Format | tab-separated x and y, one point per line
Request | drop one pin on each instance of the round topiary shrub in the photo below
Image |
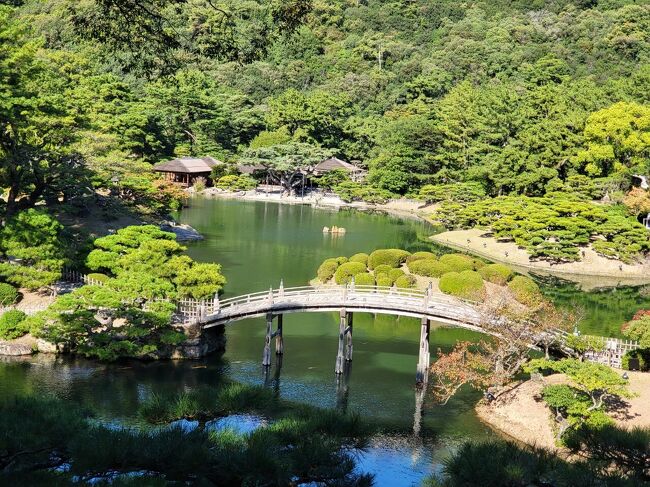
341	260
461	262
382	269
98	277
429	268
8	294
525	290
496	273
405	281
344	273
327	269
391	257
466	284
384	281
419	256
394	274
364	279
11	324
360	257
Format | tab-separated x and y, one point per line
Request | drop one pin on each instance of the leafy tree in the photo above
286	164
638	328
618	140
597	381
34	239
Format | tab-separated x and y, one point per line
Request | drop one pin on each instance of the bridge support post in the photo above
348	337
266	357
422	374
340	359
279	341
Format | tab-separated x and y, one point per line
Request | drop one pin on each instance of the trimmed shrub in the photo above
405	281
364	279
419	256
382	269
384	281
327	269
525	290
11	324
640	359
344	273
461	262
360	257
496	273
8	294
99	277
394	274
429	268
341	260
466	284
391	257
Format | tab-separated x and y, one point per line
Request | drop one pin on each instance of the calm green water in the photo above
258	244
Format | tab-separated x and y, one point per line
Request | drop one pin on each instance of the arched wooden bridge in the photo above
426	305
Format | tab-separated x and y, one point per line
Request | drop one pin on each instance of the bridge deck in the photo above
372	299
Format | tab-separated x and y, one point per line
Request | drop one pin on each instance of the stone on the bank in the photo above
15	349
184	233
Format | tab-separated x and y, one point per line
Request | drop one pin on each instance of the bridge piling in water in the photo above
348	337
424	359
279	340
340	358
266	357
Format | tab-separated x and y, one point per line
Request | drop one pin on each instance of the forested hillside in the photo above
519	96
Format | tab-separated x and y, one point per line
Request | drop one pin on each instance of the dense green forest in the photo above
518	96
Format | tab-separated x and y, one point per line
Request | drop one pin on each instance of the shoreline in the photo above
593	271
402	208
521	415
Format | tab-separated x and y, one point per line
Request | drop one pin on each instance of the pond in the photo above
260	243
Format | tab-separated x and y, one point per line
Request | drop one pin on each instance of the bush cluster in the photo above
405	281
364	279
346	271
525	290
360	257
496	273
461	262
327	269
12	324
8	294
419	256
466	284
429	268
390	257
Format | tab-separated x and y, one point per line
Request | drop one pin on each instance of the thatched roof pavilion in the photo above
185	170
334	164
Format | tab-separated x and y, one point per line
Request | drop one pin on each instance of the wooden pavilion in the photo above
334	163
186	170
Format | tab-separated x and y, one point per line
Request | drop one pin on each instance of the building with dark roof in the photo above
186	170
335	164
